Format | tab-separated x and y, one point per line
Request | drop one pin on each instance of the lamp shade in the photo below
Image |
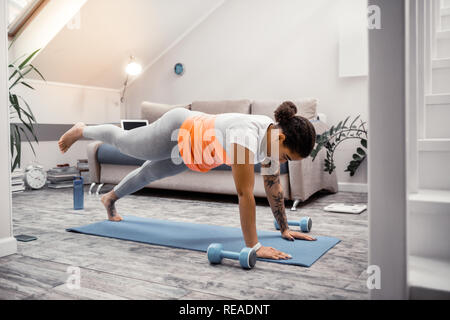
133	69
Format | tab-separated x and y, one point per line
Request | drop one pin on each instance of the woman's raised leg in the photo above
154	142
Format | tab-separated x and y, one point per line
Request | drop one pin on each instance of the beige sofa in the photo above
302	180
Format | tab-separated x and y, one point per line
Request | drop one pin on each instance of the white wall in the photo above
59	103
261	49
54	103
95	50
8	244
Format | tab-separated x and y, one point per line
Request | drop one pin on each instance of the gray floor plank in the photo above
195	295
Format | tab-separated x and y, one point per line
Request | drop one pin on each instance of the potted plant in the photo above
331	139
19	109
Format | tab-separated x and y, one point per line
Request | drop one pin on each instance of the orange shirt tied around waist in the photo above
198	145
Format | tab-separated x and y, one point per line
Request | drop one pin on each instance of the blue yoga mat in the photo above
199	236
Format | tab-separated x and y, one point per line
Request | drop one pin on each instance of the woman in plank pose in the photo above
182	139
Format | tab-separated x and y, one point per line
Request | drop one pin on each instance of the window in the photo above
20	11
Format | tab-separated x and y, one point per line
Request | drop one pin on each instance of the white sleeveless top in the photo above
247	130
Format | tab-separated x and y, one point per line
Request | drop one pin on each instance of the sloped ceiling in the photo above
96	52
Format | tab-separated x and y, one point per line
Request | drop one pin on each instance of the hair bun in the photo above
285	112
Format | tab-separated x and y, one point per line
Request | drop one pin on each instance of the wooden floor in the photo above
115	269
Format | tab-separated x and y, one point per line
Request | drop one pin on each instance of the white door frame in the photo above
387	150
8	244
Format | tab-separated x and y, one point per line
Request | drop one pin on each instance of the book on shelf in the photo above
60	185
62	177
17	181
18	174
16	189
83	165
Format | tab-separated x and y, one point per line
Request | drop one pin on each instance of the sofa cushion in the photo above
219	107
107	154
153	111
306	108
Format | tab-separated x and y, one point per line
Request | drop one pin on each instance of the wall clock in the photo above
179	69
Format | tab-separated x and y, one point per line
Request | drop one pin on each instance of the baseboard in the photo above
8	246
353	187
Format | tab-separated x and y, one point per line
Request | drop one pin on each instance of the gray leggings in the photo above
156	143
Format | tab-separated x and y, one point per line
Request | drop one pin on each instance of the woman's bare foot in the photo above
109	201
71	136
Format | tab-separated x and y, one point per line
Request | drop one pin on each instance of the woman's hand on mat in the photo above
273	254
293	235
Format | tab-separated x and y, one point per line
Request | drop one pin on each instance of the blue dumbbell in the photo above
305	224
247	256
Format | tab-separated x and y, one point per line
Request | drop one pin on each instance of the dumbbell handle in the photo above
304	228
230	255
290	223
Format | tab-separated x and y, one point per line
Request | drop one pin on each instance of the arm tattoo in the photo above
275	196
279	211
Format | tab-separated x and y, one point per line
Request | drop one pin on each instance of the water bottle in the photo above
78	193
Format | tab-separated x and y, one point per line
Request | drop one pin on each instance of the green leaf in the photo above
345	123
314	154
27	85
28	107
331	131
361	151
21	67
14	84
11	137
364	143
28	139
354	121
15	104
30	68
31	56
37	71
15	61
16	71
30	128
18	149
